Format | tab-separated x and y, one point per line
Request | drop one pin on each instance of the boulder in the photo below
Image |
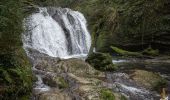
150	80
101	61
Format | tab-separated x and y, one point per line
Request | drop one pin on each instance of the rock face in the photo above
75	76
70	79
131	25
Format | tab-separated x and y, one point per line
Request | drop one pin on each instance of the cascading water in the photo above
58	32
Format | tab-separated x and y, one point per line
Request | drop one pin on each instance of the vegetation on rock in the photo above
56	81
125	53
101	61
146	52
151	52
107	94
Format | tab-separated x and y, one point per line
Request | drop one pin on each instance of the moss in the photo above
106	94
151	52
125	53
62	83
159	85
56	81
101	61
146	52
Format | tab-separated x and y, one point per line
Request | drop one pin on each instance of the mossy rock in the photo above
63	83
150	80
125	52
77	67
150	52
101	61
106	94
56	81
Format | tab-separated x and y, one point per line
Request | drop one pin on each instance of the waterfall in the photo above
57	32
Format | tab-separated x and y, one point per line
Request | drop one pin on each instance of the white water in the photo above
118	61
40	86
57	32
122	83
61	34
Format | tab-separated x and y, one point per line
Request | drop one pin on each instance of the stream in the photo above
118	81
128	87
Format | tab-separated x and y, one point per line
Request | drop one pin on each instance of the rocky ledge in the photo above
70	79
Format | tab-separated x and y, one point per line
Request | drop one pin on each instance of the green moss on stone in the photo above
124	52
106	94
101	61
151	52
62	83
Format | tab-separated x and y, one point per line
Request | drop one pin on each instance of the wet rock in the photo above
147	79
46	63
56	81
74	76
77	67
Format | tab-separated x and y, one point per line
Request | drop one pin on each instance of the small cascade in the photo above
121	82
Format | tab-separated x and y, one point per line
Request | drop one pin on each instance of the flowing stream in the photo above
130	88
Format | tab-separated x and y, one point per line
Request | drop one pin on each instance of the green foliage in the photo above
15	69
107	94
15	82
10	27
5	77
101	61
